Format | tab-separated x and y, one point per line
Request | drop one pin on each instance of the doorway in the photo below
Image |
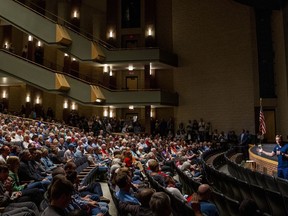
132	82
270	125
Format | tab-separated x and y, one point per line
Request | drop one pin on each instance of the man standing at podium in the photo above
281	150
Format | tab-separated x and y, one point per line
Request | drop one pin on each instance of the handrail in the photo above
72	27
65	23
53	70
98	83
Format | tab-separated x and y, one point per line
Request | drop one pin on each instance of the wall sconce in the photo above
106	68
151	71
4	94
73	59
111	114
38	100
39	44
152	113
75	14
65	104
73	106
111	34
150	32
6	45
30	38
66	55
131	107
105	112
130	68
98	100
28	99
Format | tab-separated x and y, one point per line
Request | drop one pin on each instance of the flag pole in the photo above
262	126
260	123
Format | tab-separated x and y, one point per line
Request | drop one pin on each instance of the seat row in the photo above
179	207
256	178
86	173
226	205
269	200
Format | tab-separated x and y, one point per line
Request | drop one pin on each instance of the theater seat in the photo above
244	189
260	179
232	206
251	176
276	202
285	199
219	200
237	195
258	194
271	183
282	185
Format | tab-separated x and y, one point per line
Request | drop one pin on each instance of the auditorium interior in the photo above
153	60
210	60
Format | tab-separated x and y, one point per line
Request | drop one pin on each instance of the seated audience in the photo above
10	200
171	187
33	190
46	161
144	196
86	203
160	204
207	207
123	181
60	195
4	154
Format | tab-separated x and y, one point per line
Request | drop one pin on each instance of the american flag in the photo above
262	125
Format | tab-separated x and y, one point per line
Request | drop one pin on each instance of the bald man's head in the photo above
204	192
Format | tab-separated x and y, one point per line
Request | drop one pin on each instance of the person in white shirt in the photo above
69	153
4	154
26	141
19	136
171	187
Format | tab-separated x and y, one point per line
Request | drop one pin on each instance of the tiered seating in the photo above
115	199
269	193
86	173
237	189
282	185
179	207
189	185
226	205
276	202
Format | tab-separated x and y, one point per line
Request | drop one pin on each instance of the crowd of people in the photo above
38	171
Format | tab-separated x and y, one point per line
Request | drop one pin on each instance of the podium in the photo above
250	164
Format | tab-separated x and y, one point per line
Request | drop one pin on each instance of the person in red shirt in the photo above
128	159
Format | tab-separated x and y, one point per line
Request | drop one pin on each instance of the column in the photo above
148	119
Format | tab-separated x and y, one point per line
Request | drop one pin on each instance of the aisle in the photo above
106	193
224	169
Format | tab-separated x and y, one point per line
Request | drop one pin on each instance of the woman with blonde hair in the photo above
33	190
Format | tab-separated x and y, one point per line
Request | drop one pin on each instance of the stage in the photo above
267	148
263	162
